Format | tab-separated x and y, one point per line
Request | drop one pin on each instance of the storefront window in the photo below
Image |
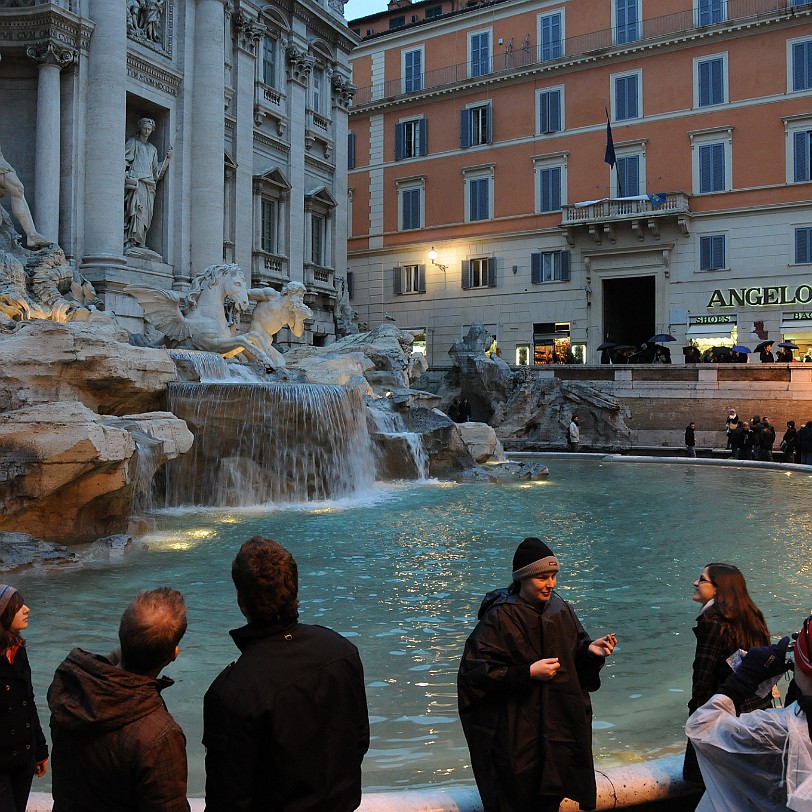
523	355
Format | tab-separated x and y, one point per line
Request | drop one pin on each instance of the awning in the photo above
699	330
789	326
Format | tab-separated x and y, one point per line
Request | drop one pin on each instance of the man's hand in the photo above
544	670
41	768
603	646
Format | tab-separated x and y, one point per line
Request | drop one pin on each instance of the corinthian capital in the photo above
300	63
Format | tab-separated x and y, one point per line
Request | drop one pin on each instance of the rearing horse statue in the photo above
199	318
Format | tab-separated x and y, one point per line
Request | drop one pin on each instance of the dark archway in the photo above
628	309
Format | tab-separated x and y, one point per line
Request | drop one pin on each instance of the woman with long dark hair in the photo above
729	620
23	751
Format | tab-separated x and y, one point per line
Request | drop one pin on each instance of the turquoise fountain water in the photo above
401	570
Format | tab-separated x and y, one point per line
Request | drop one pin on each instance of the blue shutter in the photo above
414	71
397	280
423	134
535	267
478	199
801	157
491	272
465	128
803	245
550	183
565	266
626	19
716	79
400	146
480	54
620	98
802	65
718	151
712	168
631	96
719	251
550	37
704	79
550	111
704	253
466	274
484	212
628	172
350	150
421	278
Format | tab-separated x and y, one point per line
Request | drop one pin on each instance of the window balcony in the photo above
319	279
644	214
319	130
269	269
269	103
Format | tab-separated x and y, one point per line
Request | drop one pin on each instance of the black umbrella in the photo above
607	345
788	345
659	338
764	344
721	350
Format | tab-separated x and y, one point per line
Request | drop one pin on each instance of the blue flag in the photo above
658	199
609	158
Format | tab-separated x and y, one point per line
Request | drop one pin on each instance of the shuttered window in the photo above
627	21
628	175
803	244
802	65
549	189
712	252
479	272
551	42
626	101
549	111
711	168
710	81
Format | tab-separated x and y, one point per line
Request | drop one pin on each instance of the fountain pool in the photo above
401	571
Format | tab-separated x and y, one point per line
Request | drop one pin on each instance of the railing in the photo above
266	267
319	277
267	95
514	59
625	208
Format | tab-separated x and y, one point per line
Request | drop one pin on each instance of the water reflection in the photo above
402	571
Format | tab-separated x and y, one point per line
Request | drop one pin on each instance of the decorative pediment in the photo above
272	177
320	196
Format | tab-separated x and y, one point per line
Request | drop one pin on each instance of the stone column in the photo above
248	35
342	92
208	135
103	260
51	59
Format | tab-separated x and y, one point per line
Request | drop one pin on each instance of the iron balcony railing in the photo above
516	57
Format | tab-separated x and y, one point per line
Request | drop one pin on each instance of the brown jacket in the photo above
115	745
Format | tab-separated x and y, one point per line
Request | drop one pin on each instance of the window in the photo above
550	116
709	12
549	181
317	234
434	11
413	70
712	168
479	199
479	45
627	171
269	222
802	65
411	139
269	55
550	266
710	81
627	21
712	252
475	125
551	36
803	244
627	103
350	150
479	273
409	279
316	85
397	22
411	207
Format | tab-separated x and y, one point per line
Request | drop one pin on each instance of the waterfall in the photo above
269	442
390	425
210	366
148	452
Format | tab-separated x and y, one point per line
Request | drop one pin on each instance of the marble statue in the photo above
11	185
199	319
140	183
273	311
144	19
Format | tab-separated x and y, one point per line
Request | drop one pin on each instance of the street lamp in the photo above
433	258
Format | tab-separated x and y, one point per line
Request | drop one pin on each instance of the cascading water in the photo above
257	443
390	425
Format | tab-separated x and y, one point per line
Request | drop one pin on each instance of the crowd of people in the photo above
755	439
286	726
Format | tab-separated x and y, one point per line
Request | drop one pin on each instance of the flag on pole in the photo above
609	158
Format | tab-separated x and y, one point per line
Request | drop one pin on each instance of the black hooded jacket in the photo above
528	737
286	726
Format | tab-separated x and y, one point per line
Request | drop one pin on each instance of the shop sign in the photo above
798	315
720	319
761	297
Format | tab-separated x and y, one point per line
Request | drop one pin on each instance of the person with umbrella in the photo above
765	352
785	356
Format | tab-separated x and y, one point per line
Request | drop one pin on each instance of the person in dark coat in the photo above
523	692
765	354
116	746
23	751
747	440
285	727
737	438
788	442
755	439
690	439
767	439
803	444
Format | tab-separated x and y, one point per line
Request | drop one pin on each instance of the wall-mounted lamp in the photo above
433	258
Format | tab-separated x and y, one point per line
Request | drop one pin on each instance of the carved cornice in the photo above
247	32
343	91
50	53
299	64
269	141
152	75
43	24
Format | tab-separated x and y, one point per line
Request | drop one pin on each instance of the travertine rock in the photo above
481	441
69	474
89	362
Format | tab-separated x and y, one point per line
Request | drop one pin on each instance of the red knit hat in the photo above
803	649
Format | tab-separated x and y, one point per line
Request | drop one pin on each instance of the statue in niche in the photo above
11	185
140	183
273	311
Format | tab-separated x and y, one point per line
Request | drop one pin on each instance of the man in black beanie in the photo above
523	691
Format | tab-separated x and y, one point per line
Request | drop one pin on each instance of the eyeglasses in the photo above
703	580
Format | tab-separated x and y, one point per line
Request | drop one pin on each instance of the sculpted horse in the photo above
199	318
274	311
